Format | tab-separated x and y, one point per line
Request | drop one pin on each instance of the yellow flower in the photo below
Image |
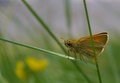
35	66
20	70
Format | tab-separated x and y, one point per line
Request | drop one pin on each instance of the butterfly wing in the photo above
84	44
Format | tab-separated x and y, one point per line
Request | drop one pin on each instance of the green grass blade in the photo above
90	31
46	51
68	16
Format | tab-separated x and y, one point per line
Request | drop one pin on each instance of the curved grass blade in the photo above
46	51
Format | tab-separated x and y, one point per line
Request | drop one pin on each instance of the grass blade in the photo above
68	16
90	31
46	51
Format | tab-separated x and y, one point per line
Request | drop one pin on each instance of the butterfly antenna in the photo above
62	38
62	42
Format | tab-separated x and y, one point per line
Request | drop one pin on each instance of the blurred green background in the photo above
65	18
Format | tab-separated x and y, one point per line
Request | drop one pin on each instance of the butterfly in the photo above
83	45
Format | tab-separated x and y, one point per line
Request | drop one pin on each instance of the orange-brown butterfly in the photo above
83	46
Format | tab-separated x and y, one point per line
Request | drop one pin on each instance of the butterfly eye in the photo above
69	44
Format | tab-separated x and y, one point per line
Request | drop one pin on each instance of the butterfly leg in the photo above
81	57
68	53
74	53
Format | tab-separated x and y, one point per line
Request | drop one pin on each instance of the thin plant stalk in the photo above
46	51
90	31
68	16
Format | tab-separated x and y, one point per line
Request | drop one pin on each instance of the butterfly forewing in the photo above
84	44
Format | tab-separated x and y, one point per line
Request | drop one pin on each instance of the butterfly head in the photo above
68	43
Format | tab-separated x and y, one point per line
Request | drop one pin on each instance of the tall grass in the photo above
60	69
50	32
90	31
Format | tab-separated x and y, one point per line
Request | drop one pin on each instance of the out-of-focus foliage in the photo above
18	24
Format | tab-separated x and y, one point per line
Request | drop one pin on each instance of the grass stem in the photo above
90	31
46	51
68	16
